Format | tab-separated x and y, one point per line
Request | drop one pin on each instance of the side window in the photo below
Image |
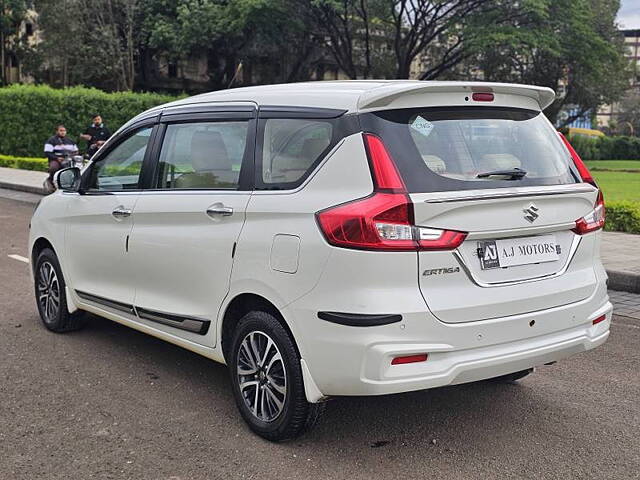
120	169
291	147
205	155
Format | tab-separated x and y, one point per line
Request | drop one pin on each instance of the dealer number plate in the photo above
510	252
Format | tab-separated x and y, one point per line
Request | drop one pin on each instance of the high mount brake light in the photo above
596	218
482	97
384	220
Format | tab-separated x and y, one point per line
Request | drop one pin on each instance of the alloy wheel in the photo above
261	376
48	292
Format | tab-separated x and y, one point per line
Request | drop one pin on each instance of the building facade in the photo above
608	113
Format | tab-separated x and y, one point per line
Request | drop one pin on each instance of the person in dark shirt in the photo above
95	135
56	148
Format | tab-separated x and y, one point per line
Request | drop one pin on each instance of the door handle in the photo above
219	209
121	212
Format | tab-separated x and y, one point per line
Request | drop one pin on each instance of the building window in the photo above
28	28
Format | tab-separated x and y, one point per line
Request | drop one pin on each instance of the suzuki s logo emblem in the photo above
531	213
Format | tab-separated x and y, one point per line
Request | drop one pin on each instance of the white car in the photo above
335	238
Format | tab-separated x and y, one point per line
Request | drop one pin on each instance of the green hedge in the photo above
30	113
607	148
24	163
623	217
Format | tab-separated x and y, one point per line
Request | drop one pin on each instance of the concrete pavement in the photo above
620	251
22	180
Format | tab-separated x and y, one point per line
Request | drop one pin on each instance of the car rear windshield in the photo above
448	149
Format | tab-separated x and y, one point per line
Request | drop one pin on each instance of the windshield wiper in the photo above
513	174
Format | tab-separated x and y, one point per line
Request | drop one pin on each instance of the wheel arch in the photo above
38	246
239	306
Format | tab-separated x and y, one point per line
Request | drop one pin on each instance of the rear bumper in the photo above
344	360
455	367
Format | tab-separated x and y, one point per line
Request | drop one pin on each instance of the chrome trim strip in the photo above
510	193
520	232
190	324
572	251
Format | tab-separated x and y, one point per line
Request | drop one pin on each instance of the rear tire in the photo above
512	377
266	379
51	298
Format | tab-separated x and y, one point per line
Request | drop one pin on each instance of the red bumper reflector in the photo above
601	318
409	359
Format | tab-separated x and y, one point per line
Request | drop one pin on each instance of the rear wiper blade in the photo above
514	174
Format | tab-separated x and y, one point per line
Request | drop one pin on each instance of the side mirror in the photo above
67	179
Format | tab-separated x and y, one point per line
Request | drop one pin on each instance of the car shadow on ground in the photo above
480	413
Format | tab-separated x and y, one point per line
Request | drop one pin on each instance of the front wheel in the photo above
51	299
267	382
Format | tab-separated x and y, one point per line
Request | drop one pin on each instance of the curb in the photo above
623	281
22	188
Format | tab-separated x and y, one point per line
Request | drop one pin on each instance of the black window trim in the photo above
283	111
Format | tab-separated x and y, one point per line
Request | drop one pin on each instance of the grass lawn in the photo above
619	185
614	164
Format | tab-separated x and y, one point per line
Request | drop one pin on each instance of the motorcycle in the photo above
66	160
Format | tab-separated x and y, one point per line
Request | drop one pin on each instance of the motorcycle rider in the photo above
95	135
56	148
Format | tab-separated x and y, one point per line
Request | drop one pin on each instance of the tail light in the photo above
384	220
596	218
585	174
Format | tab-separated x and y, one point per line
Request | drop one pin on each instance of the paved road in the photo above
109	402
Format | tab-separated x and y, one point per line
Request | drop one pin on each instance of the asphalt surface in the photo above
109	402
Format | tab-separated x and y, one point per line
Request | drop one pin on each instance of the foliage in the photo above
273	39
24	163
12	13
613	148
92	46
628	120
30	113
362	34
571	46
623	217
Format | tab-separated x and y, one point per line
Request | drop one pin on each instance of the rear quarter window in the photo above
441	149
291	147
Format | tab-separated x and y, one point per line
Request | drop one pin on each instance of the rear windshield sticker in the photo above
422	125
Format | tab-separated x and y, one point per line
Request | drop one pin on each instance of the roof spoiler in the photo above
383	97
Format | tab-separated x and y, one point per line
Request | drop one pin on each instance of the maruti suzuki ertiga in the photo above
335	238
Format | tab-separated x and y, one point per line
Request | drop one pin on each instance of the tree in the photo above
12	14
628	120
571	46
437	32
275	35
90	46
